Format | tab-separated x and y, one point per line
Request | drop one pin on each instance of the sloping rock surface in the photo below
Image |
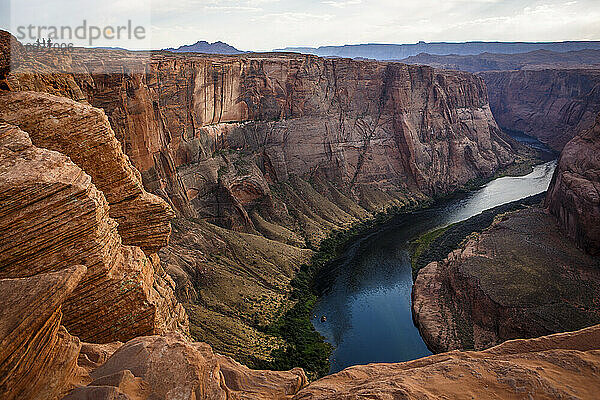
558	366
574	193
520	278
52	217
38	358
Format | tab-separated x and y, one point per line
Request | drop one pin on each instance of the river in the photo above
368	306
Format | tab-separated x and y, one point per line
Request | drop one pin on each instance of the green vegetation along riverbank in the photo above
435	245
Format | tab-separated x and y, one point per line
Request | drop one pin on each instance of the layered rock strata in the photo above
520	278
574	194
355	123
51	218
84	134
38	358
552	105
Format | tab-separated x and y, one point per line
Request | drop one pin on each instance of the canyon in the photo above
544	94
552	105
259	156
205	182
472	300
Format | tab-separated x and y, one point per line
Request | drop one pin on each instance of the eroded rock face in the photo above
557	366
574	193
288	147
38	358
552	105
389	125
170	367
520	278
84	134
51	218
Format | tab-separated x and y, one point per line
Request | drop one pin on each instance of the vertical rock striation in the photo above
84	134
574	193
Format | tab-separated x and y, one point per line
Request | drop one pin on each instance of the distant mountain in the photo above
207	48
501	62
400	51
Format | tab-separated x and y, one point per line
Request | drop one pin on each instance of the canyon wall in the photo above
355	123
471	300
259	155
552	105
574	193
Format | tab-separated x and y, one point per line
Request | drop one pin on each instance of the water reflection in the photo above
368	307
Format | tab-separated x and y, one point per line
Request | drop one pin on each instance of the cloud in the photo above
342	3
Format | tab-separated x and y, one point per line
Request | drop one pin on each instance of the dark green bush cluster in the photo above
306	348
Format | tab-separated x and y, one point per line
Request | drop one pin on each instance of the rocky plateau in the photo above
203	180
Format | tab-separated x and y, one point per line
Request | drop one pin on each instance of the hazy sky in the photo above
268	24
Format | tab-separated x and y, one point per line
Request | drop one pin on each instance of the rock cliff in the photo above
574	193
80	234
84	134
38	358
552	105
258	154
53	217
520	278
563	365
404	127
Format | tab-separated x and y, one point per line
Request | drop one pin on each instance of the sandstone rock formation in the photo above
288	147
168	367
221	161
551	367
520	278
84	134
574	194
38	358
51	218
552	105
353	122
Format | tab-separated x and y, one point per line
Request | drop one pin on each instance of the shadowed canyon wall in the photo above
260	156
552	105
574	194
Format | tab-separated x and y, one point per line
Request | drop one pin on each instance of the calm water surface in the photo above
368	307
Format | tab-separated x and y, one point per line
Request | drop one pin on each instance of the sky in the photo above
263	25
